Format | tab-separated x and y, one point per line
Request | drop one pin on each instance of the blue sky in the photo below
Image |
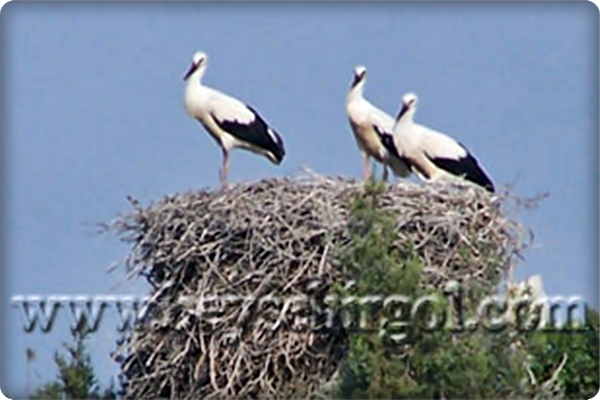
93	112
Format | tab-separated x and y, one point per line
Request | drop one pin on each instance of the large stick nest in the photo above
266	242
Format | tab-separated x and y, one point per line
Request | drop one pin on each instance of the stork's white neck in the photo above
402	126
357	91
408	117
196	77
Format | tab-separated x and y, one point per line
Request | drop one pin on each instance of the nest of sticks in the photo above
223	265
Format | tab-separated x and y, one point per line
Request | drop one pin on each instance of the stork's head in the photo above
409	102
360	72
199	62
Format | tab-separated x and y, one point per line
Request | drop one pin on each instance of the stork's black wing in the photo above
255	132
387	139
467	167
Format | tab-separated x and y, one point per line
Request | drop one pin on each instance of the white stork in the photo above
230	122
434	155
373	130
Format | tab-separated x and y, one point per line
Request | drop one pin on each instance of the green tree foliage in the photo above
75	378
441	363
576	346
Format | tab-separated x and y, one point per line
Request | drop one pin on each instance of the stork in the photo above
434	155
372	130
230	122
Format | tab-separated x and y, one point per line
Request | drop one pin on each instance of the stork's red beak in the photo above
403	111
193	67
358	78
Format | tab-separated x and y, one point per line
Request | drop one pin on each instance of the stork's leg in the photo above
385	173
225	169
366	167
